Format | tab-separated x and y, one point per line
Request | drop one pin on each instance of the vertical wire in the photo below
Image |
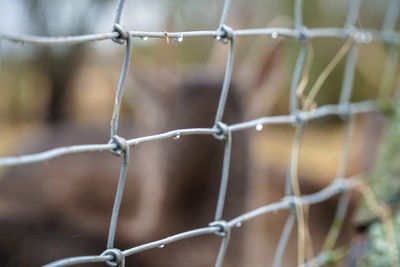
344	199
389	74
298	14
344	158
391	17
118	12
288	184
344	100
226	83
118	198
228	142
287	229
223	248
114	128
224	13
389	23
224	177
352	13
118	97
296	191
297	72
348	78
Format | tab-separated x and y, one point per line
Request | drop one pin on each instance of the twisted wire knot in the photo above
225	33
303	35
122	34
223	226
349	31
121	143
345	111
298	119
293	202
223	131
341	183
118	259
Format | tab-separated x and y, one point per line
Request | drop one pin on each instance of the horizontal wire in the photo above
329	32
326	110
79	260
54	153
48	40
337	186
323	111
171	239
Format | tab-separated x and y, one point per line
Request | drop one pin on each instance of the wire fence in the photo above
298	117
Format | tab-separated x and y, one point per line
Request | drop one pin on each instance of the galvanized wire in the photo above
222	131
287	229
323	111
344	100
118	12
334	188
328	32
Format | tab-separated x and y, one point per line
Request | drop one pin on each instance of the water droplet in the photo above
368	37
176	136
218	37
161	246
259	127
361	37
238	224
144	38
274	35
179	39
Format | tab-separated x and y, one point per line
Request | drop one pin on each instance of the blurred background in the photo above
64	95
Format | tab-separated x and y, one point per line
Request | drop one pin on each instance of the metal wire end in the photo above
223	131
118	258
121	143
123	34
224	34
223	226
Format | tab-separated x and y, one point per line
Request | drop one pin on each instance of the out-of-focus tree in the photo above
60	63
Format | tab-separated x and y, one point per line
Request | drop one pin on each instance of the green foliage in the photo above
385	176
384	181
377	251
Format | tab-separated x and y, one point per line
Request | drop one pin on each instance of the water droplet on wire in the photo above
274	35
161	246
144	38
176	136
238	224
363	37
368	38
259	127
179	39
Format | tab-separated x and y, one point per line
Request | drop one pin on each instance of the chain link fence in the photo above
302	110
